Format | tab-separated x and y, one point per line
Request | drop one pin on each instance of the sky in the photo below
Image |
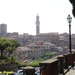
20	15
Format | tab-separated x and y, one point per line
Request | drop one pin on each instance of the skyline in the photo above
20	16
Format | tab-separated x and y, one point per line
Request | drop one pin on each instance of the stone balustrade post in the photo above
61	64
71	59
49	67
66	64
29	70
74	56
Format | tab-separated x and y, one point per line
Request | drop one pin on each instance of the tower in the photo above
37	25
3	29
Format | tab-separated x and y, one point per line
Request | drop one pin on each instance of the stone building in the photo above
33	51
3	29
50	37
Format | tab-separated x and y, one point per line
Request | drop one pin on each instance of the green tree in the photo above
14	44
48	55
3	45
8	45
10	50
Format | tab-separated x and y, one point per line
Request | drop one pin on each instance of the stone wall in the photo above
9	67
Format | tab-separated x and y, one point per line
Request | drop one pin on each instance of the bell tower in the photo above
37	25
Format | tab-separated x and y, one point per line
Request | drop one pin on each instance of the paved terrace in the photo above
71	72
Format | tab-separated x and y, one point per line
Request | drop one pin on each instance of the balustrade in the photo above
55	66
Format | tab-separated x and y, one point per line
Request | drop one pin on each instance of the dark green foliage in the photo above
15	43
5	59
73	11
33	58
13	59
73	4
36	62
71	1
48	55
8	45
3	45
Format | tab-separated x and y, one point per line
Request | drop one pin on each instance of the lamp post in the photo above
69	19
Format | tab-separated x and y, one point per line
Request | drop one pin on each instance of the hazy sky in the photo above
20	15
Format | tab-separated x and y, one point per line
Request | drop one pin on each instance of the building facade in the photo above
3	29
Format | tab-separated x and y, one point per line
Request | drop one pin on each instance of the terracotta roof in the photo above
23	48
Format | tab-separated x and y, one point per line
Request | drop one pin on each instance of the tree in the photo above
48	55
13	46
10	50
15	43
3	44
73	4
8	45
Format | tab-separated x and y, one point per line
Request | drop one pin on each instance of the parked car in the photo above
37	72
20	72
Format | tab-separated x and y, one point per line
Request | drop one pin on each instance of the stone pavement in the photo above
71	72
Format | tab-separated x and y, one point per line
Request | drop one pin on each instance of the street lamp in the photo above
69	19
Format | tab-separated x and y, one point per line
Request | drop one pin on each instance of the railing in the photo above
55	66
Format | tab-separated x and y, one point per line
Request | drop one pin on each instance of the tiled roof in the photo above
32	44
61	37
51	33
47	43
23	48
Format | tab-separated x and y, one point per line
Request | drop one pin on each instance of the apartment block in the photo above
3	29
